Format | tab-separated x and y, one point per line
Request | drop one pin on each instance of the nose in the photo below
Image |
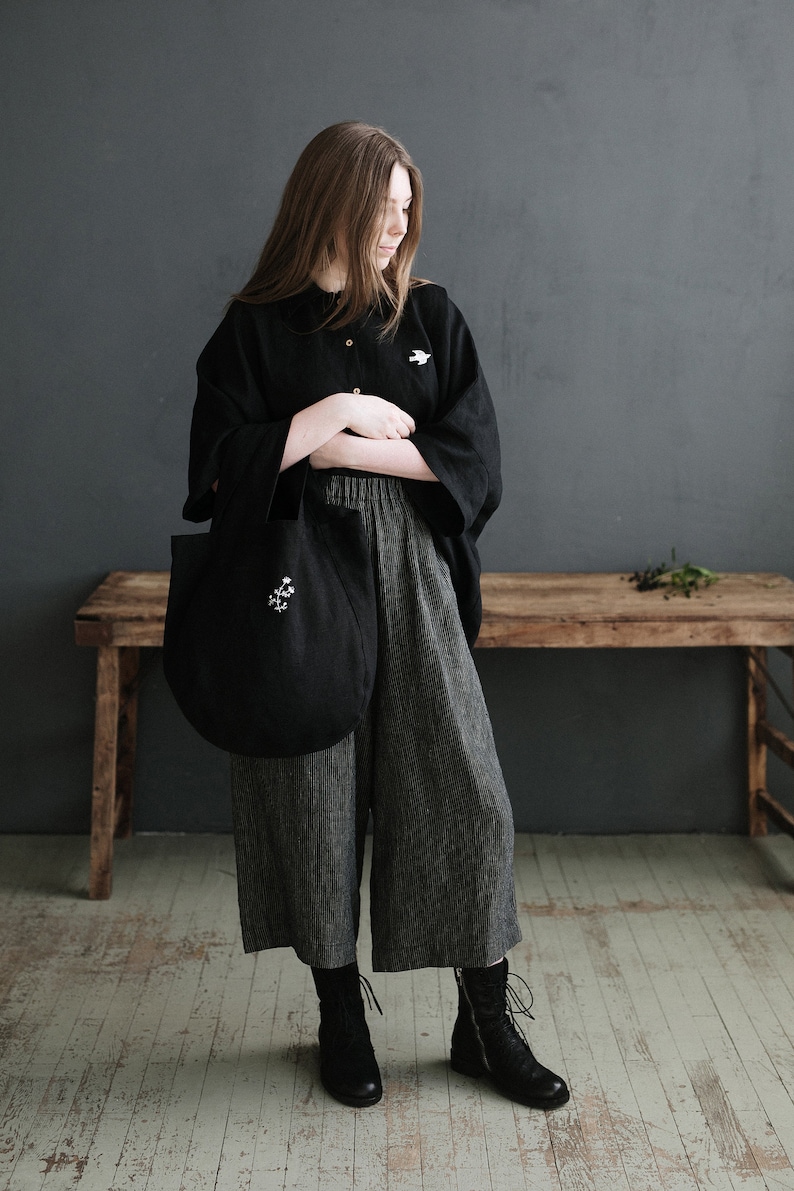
398	223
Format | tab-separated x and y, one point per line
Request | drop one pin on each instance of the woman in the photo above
333	359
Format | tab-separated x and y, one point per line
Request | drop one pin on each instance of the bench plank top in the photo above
522	609
605	610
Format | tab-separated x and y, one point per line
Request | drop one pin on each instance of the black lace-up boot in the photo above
487	1041
348	1067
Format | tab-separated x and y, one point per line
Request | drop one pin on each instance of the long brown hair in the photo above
340	186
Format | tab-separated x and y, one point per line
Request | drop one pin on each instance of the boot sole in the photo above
477	1071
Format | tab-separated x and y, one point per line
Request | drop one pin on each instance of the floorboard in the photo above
140	1048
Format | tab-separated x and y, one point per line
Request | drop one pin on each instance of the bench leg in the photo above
114	751
756	749
128	730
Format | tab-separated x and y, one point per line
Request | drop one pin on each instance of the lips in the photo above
388	249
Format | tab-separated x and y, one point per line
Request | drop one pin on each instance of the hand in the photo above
373	417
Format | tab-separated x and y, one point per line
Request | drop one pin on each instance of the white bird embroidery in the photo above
419	357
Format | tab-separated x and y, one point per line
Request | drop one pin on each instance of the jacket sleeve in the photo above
461	445
231	436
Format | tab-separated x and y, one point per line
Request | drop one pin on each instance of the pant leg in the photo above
442	880
299	837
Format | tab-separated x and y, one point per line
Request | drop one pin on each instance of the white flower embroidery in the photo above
279	598
419	357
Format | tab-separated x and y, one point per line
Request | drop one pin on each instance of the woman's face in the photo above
395	223
389	236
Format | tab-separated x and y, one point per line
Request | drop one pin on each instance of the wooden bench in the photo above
551	611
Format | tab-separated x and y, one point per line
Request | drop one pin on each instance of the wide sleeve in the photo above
461	444
231	437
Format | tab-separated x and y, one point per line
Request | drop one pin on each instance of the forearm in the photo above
387	457
312	428
367	415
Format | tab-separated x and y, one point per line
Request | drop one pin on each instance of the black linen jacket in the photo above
266	362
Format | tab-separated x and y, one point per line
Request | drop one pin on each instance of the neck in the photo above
332	279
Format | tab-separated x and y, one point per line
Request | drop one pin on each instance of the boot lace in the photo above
370	994
516	1007
514	1004
345	1025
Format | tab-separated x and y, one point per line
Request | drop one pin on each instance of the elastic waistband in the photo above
357	490
354	474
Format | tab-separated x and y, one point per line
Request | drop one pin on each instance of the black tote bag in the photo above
271	632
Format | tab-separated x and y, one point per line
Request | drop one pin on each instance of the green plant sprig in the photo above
685	579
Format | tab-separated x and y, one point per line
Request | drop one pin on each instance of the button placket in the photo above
356	367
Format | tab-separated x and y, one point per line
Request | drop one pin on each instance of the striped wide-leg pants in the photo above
422	762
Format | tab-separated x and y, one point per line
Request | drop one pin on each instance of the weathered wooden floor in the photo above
142	1049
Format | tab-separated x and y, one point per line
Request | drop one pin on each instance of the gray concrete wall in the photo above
610	201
